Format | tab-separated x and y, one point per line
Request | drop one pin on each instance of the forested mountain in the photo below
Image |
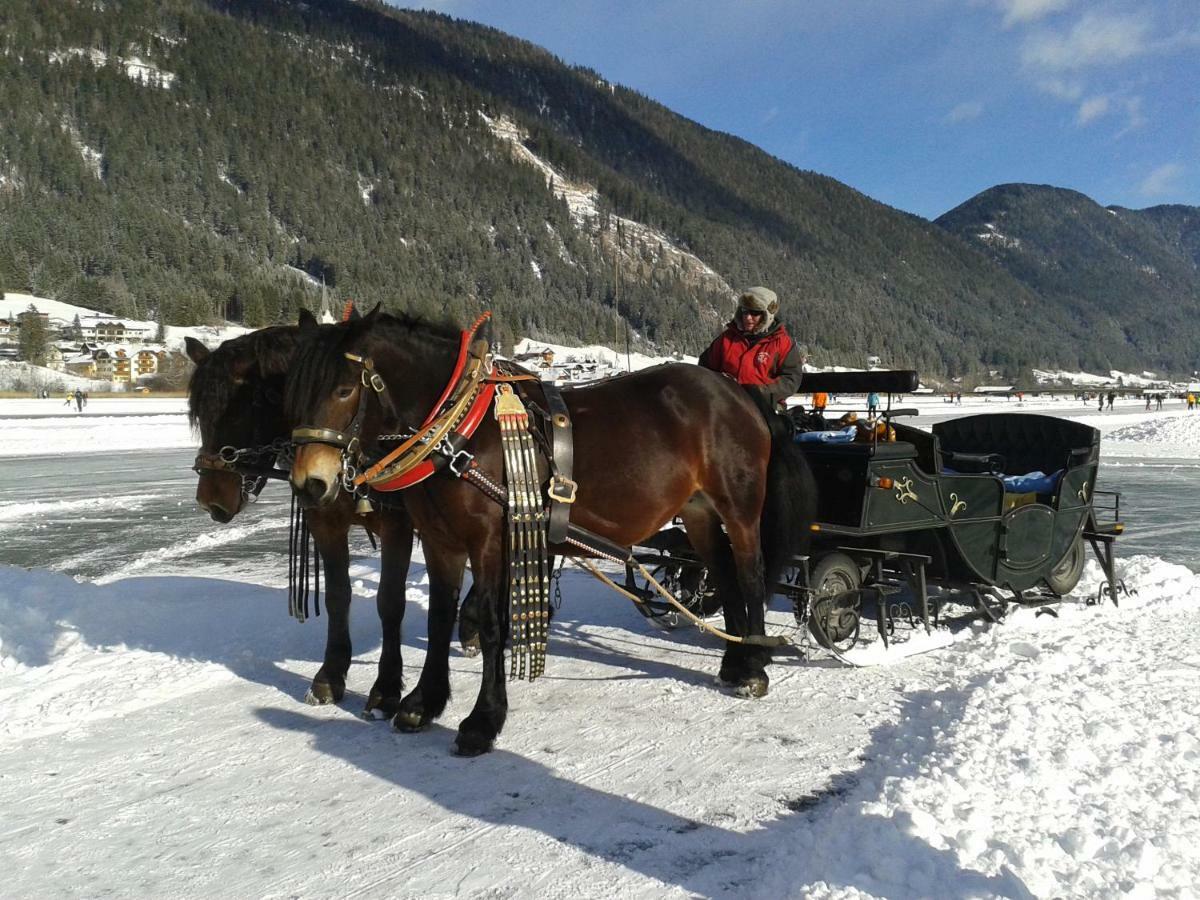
189	159
1128	279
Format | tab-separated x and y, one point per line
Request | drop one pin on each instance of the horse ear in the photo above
374	313
195	350
307	320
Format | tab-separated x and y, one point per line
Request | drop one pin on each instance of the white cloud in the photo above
1062	89
1133	113
1092	108
770	115
1018	12
1163	180
964	112
1093	40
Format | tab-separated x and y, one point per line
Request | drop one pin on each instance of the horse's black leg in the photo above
329	684
428	699
748	559
397	537
468	624
478	731
709	541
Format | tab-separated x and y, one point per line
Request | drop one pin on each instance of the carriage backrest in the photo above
1028	443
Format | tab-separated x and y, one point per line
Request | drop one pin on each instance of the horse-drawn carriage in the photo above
368	407
982	511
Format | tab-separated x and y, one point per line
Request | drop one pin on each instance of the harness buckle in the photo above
460	462
373	380
562	490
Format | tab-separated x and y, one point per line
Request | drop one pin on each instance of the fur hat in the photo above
759	299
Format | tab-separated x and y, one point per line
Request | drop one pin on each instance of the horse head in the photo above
235	401
352	382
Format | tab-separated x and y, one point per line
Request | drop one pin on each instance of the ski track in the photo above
218	537
21	513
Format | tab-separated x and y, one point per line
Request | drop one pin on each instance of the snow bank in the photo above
1047	757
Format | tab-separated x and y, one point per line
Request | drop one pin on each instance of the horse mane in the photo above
319	365
261	353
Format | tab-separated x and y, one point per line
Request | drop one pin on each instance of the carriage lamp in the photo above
884	483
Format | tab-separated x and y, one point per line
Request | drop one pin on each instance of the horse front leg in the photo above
468	624
751	574
477	732
429	698
329	684
396	535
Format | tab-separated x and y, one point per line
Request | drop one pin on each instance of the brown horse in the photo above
235	400
673	440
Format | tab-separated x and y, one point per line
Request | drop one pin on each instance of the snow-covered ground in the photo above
153	741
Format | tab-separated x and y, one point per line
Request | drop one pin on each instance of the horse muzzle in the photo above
316	474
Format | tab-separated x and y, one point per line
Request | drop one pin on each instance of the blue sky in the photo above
918	103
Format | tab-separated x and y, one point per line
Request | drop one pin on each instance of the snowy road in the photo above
152	740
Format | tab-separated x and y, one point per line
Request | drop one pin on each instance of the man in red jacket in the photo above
756	349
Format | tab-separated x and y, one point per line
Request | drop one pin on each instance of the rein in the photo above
236	460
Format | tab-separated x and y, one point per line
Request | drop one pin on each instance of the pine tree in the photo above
33	336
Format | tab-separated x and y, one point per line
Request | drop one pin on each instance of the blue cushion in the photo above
842	436
1032	483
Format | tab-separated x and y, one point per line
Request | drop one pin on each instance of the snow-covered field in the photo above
153	741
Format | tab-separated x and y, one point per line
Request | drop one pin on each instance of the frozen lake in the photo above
120	514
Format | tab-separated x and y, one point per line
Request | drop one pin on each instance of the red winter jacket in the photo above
770	360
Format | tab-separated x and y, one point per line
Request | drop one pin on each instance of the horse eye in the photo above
345	392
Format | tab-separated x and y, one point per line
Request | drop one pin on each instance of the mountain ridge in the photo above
348	141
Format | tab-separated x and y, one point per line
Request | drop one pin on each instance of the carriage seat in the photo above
882	450
1014	444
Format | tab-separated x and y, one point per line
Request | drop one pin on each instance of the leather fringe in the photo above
304	566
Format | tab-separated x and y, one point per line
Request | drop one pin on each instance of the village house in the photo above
81	364
108	329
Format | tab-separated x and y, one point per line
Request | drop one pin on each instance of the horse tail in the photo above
790	506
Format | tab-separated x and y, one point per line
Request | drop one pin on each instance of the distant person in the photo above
1191	401
755	348
872	404
820	401
958	398
1159	399
1149	397
1100	408
70	398
78	400
1112	396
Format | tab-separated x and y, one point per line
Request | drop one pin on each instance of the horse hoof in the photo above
325	692
471	745
470	647
752	687
729	679
379	707
319	695
409	721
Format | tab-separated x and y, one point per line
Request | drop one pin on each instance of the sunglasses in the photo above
756	313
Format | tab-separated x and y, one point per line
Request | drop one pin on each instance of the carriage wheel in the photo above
1063	577
835	618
